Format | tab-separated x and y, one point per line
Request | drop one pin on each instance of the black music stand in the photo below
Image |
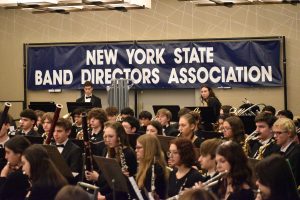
112	173
174	109
207	114
204	135
165	141
59	161
34	139
74	105
47	106
249	123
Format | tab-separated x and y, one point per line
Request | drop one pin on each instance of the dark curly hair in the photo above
186	151
100	114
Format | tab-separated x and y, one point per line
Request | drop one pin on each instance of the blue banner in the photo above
154	65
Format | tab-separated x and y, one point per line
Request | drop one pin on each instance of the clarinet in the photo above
55	118
124	166
87	145
7	105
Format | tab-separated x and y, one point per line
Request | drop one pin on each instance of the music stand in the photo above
165	141
249	123
207	114
74	105
59	161
112	173
174	109
208	134
34	139
47	106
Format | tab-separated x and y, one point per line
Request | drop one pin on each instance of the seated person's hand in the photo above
91	176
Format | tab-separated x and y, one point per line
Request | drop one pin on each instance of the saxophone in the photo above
262	149
246	146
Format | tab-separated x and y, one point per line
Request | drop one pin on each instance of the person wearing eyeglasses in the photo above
233	129
285	133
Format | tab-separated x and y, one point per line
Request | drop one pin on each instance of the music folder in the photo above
165	142
46	106
112	173
59	161
74	105
174	109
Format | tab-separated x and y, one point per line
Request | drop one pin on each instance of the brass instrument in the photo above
53	124
246	146
262	149
245	109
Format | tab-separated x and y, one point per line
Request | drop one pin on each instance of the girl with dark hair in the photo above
154	128
208	98
118	148
275	179
233	129
13	183
237	184
152	174
182	156
45	179
187	128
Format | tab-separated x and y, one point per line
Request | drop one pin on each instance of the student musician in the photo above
265	145
77	122
44	177
126	112
5	129
187	126
182	156
46	121
28	119
88	96
38	126
112	113
208	98
233	129
152	174
13	183
285	133
131	126
164	116
69	151
145	118
275	179
154	128
207	157
237	184
97	117
118	148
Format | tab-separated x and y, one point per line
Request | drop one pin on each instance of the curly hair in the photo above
186	151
